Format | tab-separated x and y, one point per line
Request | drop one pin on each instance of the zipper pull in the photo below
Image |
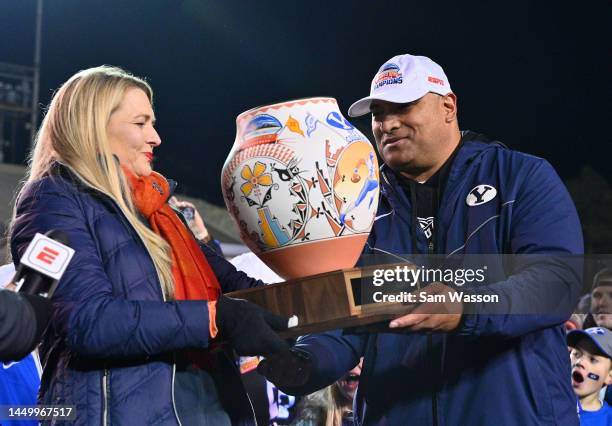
431	247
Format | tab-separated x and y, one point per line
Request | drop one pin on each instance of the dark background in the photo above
533	74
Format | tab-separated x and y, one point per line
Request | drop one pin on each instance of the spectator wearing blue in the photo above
450	192
591	358
600	312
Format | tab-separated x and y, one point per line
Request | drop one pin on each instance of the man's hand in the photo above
432	316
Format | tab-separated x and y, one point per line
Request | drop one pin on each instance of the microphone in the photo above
43	264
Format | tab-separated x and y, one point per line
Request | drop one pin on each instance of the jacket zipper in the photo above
173	375
430	250
163	298
434	394
105	395
252	408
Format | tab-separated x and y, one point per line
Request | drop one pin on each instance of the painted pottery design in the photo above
302	184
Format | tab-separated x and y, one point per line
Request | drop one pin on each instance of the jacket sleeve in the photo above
546	241
215	245
23	319
93	320
229	277
332	353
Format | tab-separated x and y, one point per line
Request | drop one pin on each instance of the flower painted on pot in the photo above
254	180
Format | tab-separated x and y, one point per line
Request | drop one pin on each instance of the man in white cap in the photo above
451	192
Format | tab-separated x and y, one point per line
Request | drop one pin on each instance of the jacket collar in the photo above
473	145
61	169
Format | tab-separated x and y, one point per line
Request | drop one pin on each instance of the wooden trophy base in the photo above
323	302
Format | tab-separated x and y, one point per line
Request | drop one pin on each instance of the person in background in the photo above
196	224
600	312
579	317
601	300
591	359
330	406
20	376
271	405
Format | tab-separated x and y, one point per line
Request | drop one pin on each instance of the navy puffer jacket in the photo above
109	348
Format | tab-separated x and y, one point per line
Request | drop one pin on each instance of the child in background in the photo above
591	359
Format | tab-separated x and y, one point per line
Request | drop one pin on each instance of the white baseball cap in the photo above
403	79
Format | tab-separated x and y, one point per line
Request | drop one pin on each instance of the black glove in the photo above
249	328
287	369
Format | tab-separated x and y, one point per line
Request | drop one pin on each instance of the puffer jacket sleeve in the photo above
332	354
546	241
230	279
94	321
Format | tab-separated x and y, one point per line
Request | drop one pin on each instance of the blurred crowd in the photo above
17	94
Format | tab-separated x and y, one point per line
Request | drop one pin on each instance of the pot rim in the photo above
277	105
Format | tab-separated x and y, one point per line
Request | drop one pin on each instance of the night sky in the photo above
533	74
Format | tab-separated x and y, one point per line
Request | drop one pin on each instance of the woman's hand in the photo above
250	329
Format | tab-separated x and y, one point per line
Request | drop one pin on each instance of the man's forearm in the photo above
536	298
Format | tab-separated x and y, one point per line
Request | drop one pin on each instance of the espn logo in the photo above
435	80
47	256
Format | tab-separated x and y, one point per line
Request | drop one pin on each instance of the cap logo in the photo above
596	330
389	74
435	80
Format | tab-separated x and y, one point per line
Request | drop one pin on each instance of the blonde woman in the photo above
330	406
136	310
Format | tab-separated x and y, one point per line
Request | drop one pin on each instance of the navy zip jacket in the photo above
509	368
109	350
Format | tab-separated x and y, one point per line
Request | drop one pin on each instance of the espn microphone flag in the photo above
43	263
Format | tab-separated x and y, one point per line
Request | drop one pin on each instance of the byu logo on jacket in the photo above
480	194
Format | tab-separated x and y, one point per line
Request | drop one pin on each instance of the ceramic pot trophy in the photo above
302	185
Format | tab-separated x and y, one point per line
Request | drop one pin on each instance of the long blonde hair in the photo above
73	133
325	407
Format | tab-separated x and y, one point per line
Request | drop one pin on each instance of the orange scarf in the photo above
193	277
